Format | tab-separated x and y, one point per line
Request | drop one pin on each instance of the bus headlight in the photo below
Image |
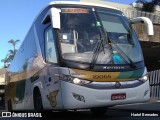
144	78
74	80
78	81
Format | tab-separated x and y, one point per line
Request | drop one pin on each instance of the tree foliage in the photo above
11	53
13	42
5	61
149	5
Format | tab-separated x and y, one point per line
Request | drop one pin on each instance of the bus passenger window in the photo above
50	50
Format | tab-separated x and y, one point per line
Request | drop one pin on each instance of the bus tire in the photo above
9	105
38	105
98	111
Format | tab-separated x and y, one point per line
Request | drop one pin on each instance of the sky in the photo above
17	16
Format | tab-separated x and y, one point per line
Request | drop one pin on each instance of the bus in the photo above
78	55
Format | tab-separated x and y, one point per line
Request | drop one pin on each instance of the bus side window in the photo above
50	50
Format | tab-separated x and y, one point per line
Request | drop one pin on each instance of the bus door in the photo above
52	83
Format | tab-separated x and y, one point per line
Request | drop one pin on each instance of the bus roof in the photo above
80	3
74	3
71	3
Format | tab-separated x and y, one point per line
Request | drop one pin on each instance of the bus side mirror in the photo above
53	16
147	21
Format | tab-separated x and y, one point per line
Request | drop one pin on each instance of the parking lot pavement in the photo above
150	106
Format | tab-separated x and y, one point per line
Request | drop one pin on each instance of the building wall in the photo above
119	6
113	4
2	79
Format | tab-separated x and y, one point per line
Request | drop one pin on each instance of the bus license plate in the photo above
118	96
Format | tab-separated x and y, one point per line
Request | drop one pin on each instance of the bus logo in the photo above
118	85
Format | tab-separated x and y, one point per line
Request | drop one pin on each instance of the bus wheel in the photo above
9	105
98	111
38	106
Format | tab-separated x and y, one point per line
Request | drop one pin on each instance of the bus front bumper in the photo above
80	97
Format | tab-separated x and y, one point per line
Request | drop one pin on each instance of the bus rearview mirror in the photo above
52	16
147	22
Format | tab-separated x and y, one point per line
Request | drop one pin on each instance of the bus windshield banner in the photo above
75	10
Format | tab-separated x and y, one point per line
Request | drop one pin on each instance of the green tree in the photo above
5	61
148	5
9	57
13	42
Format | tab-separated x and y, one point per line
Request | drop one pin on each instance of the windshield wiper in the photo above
99	44
96	52
122	53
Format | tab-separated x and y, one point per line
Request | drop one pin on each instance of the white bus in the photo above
78	55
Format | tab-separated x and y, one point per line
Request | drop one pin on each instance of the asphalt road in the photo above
112	114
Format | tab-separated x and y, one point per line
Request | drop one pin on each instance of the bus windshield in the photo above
83	29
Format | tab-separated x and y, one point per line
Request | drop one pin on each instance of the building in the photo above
2	85
132	6
113	4
157	8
